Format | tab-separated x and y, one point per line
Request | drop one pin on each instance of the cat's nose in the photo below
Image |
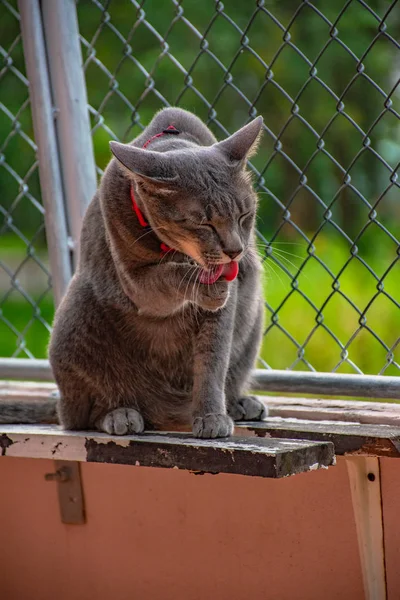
233	253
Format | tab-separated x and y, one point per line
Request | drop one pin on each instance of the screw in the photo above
62	474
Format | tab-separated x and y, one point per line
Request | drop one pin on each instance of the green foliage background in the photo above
295	65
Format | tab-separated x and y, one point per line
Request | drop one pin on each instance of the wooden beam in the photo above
364	478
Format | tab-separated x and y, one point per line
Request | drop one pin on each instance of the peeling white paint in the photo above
46	446
314	467
119	440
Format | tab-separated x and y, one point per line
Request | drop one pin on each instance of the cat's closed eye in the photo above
194	223
187	221
244	217
207	226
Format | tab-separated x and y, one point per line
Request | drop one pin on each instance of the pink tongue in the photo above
231	271
228	271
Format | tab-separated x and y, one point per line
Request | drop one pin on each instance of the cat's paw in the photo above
212	297
213	425
122	421
247	408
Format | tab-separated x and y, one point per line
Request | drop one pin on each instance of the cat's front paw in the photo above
212	297
247	408
212	425
122	421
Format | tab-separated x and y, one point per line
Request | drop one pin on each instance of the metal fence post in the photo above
73	126
45	135
29	369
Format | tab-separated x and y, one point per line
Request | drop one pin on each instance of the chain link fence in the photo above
26	304
325	78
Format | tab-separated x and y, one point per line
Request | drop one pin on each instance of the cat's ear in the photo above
242	144
152	166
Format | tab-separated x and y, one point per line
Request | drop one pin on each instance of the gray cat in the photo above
162	321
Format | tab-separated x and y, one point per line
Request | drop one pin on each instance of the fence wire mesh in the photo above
26	304
325	78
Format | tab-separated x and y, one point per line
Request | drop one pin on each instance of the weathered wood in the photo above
244	456
348	438
28	402
25	391
354	427
298	408
334	410
364	478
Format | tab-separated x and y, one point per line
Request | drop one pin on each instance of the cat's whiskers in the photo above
140	237
263	247
195	293
195	269
193	272
164	256
146	233
269	265
189	271
289	262
197	289
287	244
280	254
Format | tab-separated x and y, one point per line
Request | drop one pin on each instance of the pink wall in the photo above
165	534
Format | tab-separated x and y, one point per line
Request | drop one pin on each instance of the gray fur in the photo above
138	341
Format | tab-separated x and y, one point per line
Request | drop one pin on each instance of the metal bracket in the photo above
70	494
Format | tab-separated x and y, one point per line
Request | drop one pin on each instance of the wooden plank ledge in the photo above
354	427
262	457
348	438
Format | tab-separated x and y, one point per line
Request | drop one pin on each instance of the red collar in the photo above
163	247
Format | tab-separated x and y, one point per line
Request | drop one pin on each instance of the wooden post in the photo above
364	478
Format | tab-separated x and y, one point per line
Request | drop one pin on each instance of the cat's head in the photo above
198	199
